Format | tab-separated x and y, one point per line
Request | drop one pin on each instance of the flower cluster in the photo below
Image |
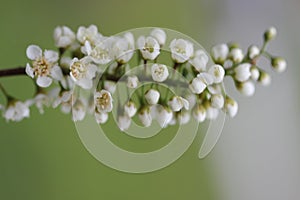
94	62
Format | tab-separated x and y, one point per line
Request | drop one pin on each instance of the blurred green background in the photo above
43	158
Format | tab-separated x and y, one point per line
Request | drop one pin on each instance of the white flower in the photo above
78	110
200	82
254	73
149	47
242	72
236	54
199	61
103	101
124	122
16	111
122	49
63	36
101	117
217	101
183	117
212	113
181	50
270	33
246	88
215	89
219	53
110	86
40	100
89	34
152	96
163	115
130	109
264	79
176	103
44	65
145	116
159	72
199	113
231	107
159	35
132	81
100	54
278	64
82	72
253	51
218	73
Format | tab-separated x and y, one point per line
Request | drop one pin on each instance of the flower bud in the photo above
219	53
176	103
159	35
152	96
264	78
124	122
217	72
254	73
132	81
253	51
101	118
231	107
159	72
236	55
278	64
199	61
145	116
270	34
246	88
164	115
199	113
242	72
130	109
217	101
181	50
183	117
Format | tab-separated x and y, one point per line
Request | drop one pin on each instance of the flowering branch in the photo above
83	57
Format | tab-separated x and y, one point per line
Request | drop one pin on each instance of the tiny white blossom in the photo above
176	103
242	72
16	111
183	117
163	115
247	88
199	61
63	97
253	51
78	110
192	100
199	113
63	36
149	47
101	117
254	73
200	82
124	122
132	81
130	109
236	54
40	100
122	49
103	101
264	79
217	101
278	64
182	50
231	107
152	96
159	72
145	116
159	35
212	113
215	88
44	65
82	72
219	53
100	54
89	34
218	73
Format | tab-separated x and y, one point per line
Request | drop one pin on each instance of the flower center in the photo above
78	70
103	100
41	67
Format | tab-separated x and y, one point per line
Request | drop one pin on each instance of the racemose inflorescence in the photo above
91	61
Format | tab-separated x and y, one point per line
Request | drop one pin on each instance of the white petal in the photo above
51	56
56	73
29	70
85	83
33	52
44	81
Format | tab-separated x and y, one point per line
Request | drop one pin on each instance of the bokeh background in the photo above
257	156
